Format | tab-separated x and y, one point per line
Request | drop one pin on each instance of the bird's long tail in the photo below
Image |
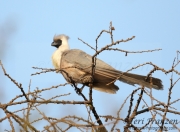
150	82
132	79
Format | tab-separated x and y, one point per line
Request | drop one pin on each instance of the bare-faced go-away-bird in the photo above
76	65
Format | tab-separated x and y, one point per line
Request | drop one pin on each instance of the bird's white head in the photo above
61	43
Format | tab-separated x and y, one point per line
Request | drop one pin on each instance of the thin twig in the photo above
14	81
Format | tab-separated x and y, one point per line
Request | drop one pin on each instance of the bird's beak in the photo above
54	44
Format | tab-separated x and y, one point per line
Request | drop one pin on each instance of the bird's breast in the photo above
56	59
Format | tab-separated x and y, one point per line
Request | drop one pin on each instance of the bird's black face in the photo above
56	43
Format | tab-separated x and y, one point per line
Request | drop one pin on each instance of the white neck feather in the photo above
56	57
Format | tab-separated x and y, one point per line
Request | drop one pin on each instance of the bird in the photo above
76	66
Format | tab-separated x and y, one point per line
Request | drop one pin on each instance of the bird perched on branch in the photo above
76	66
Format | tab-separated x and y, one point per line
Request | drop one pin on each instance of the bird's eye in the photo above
59	41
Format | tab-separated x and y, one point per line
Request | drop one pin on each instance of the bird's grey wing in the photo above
82	62
103	72
82	59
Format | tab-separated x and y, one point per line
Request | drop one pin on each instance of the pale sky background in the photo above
30	26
